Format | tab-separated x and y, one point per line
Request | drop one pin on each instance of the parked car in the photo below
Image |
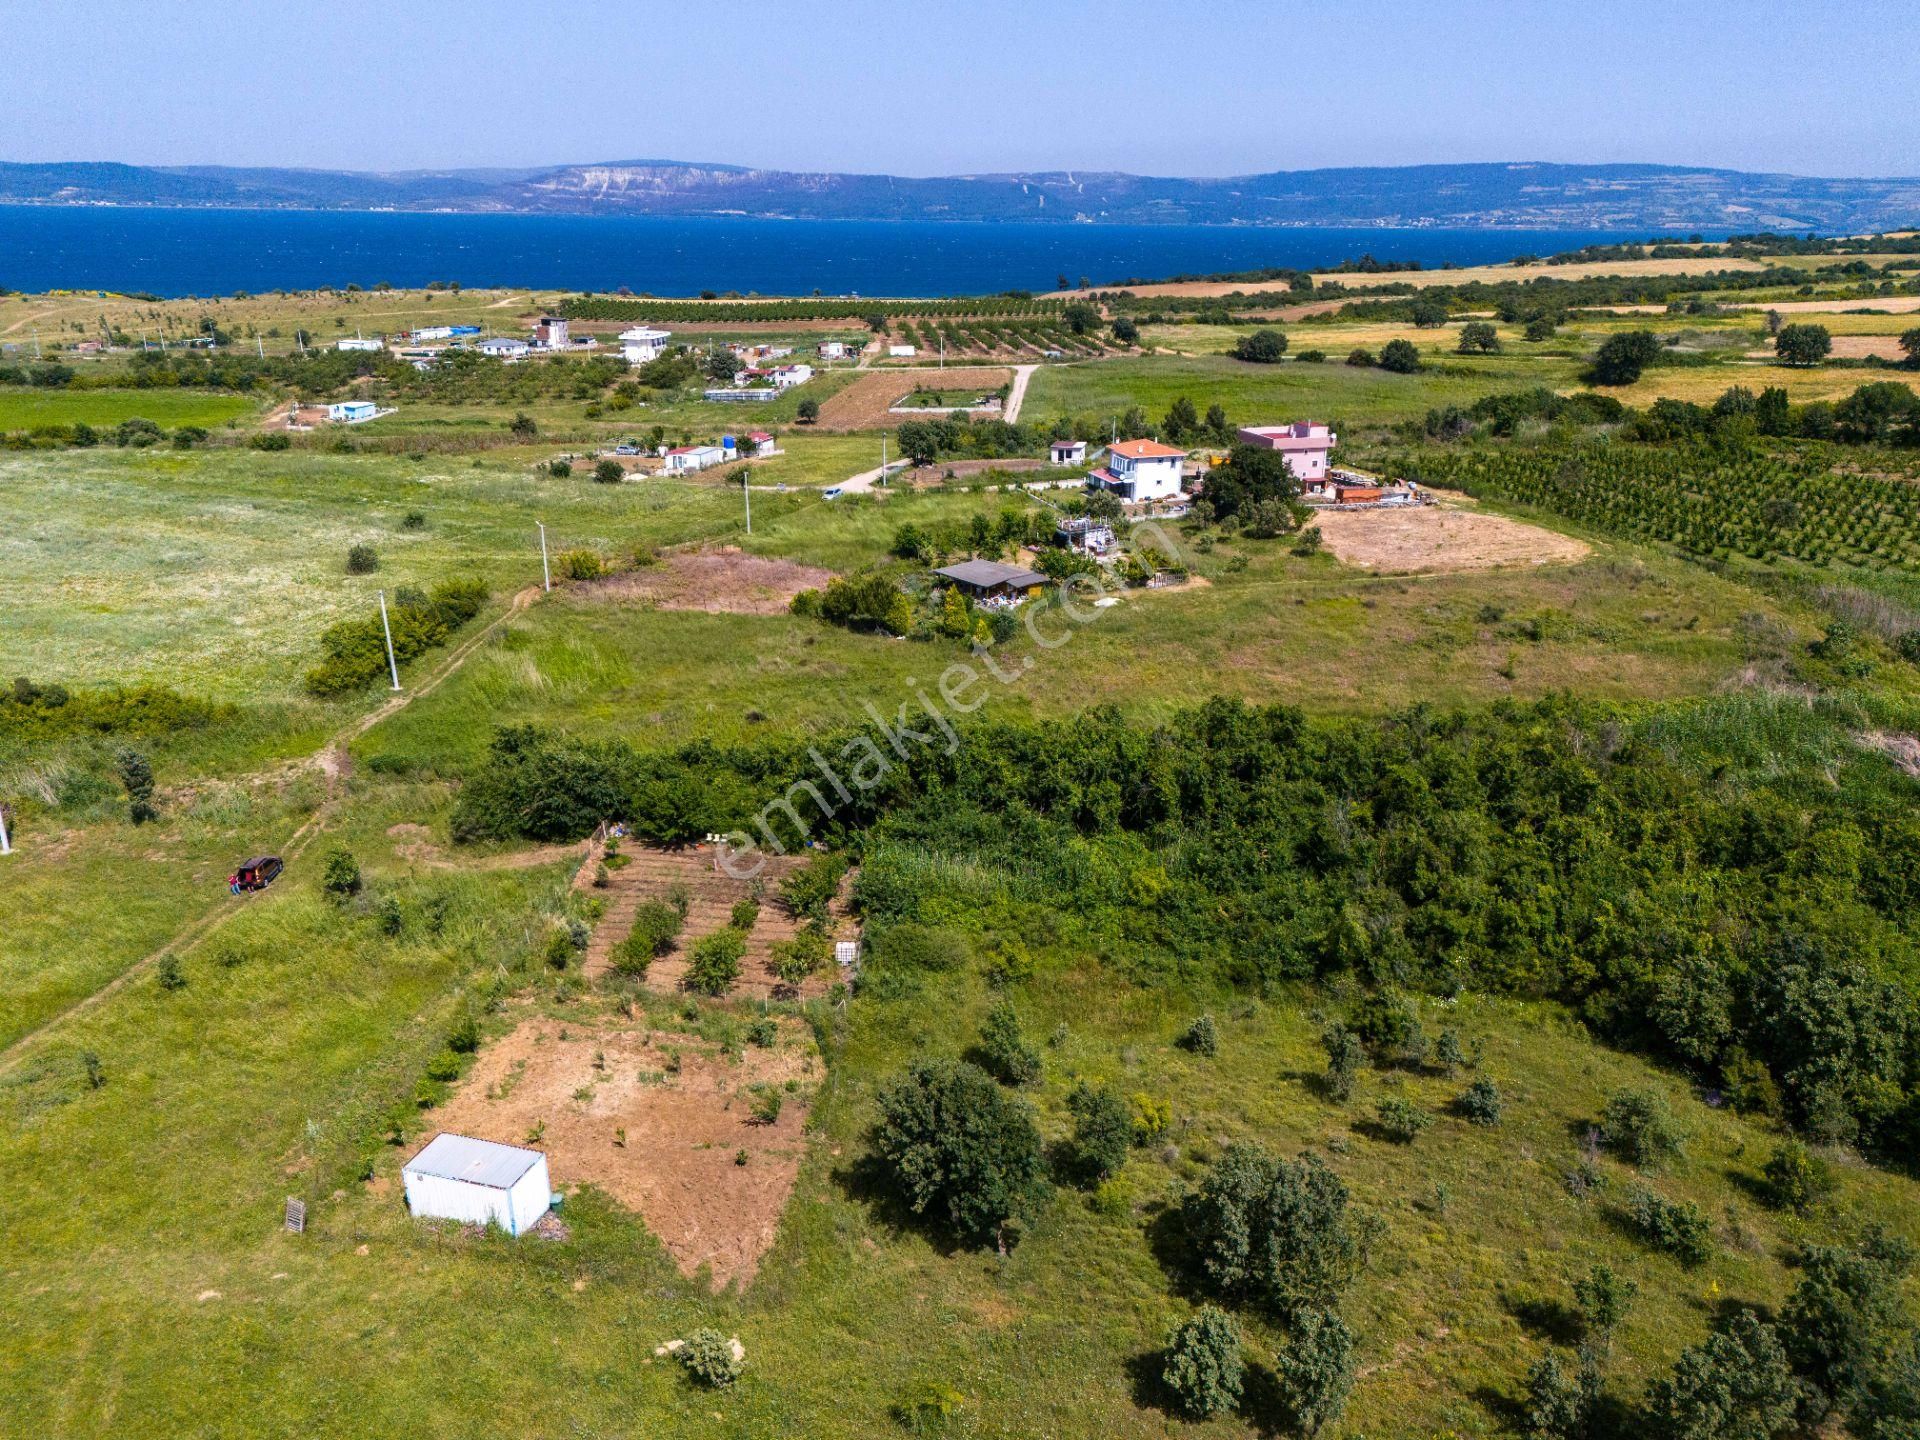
832	492
255	874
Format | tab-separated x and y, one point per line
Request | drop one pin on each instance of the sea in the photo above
185	252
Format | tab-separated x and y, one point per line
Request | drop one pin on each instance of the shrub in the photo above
168	973
1102	1130
711	1358
1004	1051
1202	1037
1345	1059
1151	1116
413	520
1273	1231
1388	1024
340	876
1400	357
1315	1371
362	559
1203	1366
355	650
1448	1053
714	963
580	564
609	472
1676	1229
1480	1102
1603	1298
136	775
1262	347
805	954
559	469
272	440
656	925
1360	357
1796	1178
1737	1385
558	950
1557	1404
1401	1121
766	1108
959	1148
464	1037
1638	1126
745	914
763	1032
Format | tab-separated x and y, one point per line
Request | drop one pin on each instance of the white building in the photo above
1304	445
504	347
354	342
687	458
478	1182
1140	470
1068	452
351	412
785	377
833	350
758	443
901	352
643	343
551	333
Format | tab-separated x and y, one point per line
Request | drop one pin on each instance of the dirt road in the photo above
1017	395
329	759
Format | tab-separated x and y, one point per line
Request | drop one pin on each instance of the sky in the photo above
1205	87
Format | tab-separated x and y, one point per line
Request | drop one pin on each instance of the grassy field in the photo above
146	1282
169	409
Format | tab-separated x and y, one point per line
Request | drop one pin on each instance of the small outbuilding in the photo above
1069	452
990	580
478	1182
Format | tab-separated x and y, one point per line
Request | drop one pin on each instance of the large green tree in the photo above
959	1148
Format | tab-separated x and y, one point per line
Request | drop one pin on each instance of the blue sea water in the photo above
216	252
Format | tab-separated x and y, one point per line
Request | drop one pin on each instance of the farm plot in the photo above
1437	538
722	581
691	877
705	1148
868	402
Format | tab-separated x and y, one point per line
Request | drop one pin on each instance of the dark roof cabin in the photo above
991	580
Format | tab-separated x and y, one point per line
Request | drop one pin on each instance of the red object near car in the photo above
255	874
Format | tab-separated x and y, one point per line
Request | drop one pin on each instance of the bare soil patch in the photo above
417	846
1903	750
687	1114
868	402
1439	538
724	580
1853	347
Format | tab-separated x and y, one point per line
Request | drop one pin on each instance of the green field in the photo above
103	409
1573	812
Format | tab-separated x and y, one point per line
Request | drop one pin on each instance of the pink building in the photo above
1305	445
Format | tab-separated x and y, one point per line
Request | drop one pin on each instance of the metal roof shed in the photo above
480	1182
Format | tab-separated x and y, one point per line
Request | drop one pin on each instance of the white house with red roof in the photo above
1304	445
760	443
1140	470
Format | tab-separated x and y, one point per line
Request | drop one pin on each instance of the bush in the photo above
808	891
609	472
1557	1404
744	915
1346	1057
1401	1121
763	1032
413	520
558	950
1796	1178
136	775
1388	1024
805	954
340	877
272	440
1203	1368
464	1037
1736	1385
1676	1229
1400	357
959	1148
714	964
1480	1103
1603	1298
1360	357
1262	347
1152	1115
362	559
1638	1126
355	650
559	469
1004	1051
711	1358
1102	1130
1273	1231
168	973
1315	1371
1202	1037
908	945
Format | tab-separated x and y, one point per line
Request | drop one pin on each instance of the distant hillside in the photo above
1632	197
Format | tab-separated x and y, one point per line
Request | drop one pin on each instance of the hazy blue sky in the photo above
1202	87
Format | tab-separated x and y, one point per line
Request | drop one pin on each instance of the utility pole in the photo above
260	345
546	576
6	846
883	457
747	495
393	665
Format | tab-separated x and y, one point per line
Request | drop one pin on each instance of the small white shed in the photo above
480	1182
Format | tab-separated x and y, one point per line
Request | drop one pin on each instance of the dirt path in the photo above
1017	396
329	759
863	482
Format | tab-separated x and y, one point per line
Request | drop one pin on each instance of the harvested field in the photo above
686	1113
723	581
868	402
1441	538
650	874
1893	304
1852	347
